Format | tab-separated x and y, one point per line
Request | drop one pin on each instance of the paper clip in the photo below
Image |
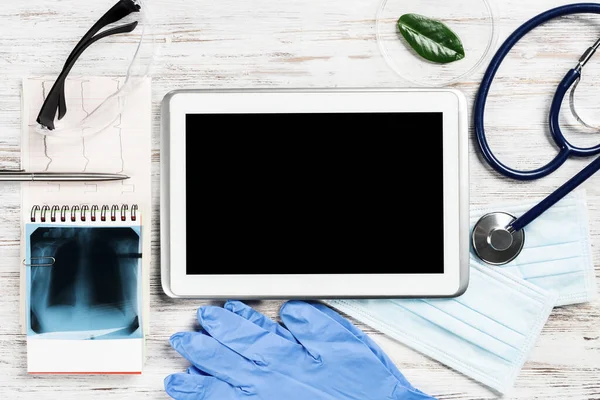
51	262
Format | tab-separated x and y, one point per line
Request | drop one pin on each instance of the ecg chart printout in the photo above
124	148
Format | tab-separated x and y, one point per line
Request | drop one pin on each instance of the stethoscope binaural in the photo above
498	237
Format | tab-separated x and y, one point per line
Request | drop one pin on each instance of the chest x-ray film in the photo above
84	297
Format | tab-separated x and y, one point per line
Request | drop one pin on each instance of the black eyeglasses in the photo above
55	101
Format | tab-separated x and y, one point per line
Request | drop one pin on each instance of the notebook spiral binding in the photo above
104	212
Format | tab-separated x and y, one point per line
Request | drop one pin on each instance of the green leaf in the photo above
431	39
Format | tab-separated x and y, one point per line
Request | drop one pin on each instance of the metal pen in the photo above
22	176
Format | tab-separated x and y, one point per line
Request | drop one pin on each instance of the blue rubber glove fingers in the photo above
379	353
195	387
314	330
210	356
195	371
340	351
363	337
266	323
244	311
347	369
247	339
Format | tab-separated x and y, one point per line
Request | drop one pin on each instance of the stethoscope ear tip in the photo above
494	242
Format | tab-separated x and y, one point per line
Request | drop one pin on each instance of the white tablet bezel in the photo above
452	282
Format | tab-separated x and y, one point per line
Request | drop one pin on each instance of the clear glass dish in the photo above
472	20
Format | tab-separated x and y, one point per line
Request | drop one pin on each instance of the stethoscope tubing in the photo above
565	148
556	196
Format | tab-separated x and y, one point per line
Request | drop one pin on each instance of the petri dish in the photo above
472	20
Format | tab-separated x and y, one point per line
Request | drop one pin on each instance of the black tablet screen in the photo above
314	193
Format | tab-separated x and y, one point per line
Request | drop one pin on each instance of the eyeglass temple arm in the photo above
55	100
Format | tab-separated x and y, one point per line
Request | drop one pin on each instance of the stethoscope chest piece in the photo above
494	241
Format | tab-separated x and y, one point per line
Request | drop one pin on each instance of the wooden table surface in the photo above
302	43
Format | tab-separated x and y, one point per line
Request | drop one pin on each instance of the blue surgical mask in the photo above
556	255
486	333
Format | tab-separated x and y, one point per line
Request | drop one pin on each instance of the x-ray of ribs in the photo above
91	286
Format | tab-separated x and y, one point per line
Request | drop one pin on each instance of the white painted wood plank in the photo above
299	43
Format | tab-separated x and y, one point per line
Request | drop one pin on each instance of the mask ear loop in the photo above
574	107
108	112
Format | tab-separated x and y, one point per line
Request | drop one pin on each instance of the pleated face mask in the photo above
556	255
488	332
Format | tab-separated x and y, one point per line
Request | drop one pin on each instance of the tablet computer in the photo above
314	194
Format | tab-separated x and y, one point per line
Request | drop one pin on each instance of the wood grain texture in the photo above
300	43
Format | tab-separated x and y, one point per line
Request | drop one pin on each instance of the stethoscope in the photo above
498	237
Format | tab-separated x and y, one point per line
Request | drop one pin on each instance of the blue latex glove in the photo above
320	356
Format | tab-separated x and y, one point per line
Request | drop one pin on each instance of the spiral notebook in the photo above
86	246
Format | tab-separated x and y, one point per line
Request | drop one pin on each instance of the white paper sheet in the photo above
123	148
